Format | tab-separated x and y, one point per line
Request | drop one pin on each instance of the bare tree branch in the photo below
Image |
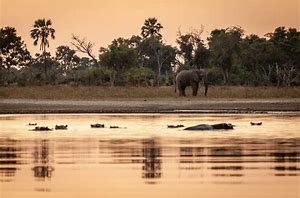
84	46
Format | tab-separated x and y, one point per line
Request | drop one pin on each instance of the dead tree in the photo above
85	47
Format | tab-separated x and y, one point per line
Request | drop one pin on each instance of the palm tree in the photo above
151	28
41	31
152	38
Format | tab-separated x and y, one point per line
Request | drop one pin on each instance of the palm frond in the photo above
48	22
36	41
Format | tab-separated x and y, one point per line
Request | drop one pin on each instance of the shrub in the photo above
139	76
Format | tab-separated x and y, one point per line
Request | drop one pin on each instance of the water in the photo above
144	158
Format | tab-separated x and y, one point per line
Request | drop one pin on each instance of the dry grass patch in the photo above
125	93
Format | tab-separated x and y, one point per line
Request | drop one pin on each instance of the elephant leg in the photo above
182	91
195	87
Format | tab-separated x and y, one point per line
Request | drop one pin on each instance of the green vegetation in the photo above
63	92
231	57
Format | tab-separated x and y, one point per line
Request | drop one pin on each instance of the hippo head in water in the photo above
222	126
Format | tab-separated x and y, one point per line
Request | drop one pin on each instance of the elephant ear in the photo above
194	76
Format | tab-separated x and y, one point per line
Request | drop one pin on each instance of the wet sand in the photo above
13	106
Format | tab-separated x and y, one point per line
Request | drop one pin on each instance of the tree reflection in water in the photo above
196	158
9	155
221	161
42	168
152	160
286	157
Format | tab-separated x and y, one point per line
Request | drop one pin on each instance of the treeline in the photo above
146	60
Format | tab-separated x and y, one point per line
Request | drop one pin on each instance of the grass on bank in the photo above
123	93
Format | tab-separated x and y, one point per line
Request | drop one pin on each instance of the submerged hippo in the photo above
256	123
210	127
176	126
97	125
42	128
61	127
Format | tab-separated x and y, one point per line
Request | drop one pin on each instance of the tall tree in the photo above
68	63
259	57
192	49
288	43
41	31
153	50
13	53
224	48
119	57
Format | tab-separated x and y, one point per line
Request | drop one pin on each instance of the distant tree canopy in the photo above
13	55
119	57
232	58
224	45
13	51
192	50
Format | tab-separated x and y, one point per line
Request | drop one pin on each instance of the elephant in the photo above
203	127
191	78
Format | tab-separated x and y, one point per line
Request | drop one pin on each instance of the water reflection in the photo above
152	160
9	158
204	159
127	162
42	166
144	152
286	158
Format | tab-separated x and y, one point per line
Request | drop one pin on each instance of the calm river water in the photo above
144	158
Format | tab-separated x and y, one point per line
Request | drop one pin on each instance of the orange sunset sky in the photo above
100	21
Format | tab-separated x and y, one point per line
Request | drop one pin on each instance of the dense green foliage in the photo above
231	57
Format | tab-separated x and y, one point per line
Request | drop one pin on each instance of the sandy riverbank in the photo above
14	106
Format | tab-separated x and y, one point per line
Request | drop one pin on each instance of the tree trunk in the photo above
112	79
278	77
158	76
158	68
45	65
225	76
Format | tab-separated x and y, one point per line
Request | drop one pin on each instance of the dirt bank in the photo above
13	106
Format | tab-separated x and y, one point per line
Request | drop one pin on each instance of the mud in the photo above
13	106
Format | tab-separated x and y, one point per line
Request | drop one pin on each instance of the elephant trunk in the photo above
206	86
175	85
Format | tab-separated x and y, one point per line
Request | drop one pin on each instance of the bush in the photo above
95	76
215	76
138	76
240	76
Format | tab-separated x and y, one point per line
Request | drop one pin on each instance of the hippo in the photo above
97	125
176	126
61	127
203	127
42	128
256	123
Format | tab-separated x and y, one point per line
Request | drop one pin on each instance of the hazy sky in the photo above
101	21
